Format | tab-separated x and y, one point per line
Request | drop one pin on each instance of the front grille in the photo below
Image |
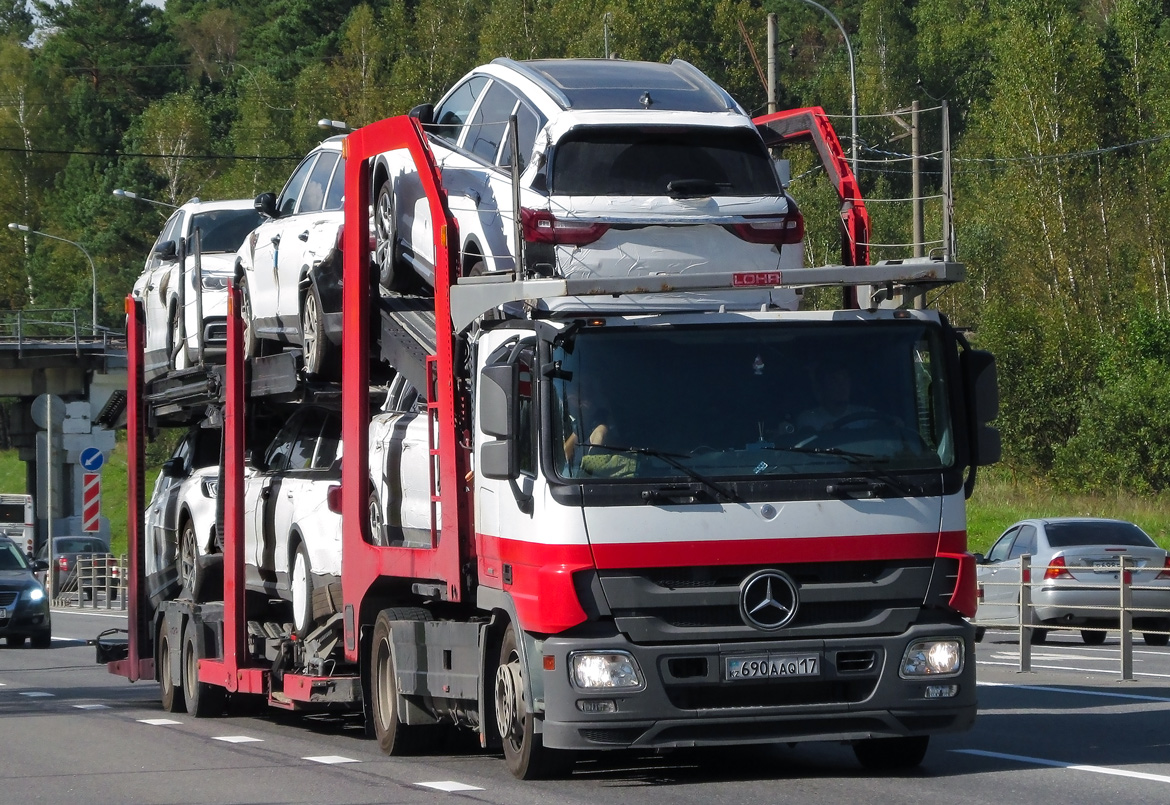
853	662
8	597
618	735
837	599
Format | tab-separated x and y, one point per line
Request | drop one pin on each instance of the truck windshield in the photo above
751	401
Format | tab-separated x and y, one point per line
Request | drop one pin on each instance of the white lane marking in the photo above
1060	764
237	739
37	694
3	684
1080	691
332	759
75	611
450	786
1071	668
159	722
92	706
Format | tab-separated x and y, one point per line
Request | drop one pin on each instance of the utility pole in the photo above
948	252
916	179
773	94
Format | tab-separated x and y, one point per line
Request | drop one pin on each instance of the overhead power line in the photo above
116	154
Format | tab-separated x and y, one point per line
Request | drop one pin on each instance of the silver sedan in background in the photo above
1075	569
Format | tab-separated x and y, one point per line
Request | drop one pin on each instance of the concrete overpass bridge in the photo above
69	382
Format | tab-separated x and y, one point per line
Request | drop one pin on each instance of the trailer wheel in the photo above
203	699
891	754
302	591
524	750
394	736
171	695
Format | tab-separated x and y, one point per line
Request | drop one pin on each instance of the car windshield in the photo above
224	230
11	557
637	161
1069	535
751	401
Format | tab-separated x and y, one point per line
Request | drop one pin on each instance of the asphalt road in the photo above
1069	733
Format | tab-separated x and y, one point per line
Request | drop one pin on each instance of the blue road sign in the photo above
92	459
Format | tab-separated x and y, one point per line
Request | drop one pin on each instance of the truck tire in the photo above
891	754
171	695
524	751
301	586
204	700
394	737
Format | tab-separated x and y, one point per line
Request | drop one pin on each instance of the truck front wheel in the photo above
524	751
395	737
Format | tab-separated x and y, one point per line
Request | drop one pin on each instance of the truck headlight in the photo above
933	657
604	671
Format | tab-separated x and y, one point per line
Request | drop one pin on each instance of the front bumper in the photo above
26	620
687	701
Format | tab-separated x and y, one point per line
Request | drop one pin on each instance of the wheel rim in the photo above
191	670
246	315
186	556
311	332
164	665
384	711
300	592
509	718
375	521
384	228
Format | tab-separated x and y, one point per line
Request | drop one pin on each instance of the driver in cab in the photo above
833	387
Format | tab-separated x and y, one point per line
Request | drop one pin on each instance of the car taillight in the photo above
541	226
333	498
62	563
1057	569
1165	574
780	231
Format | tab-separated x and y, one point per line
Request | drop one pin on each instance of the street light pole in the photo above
852	79
120	193
92	267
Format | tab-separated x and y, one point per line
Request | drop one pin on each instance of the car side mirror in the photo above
980	559
254	460
167	250
173	467
424	113
265	204
40	565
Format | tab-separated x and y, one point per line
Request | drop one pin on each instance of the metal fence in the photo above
1120	616
96	581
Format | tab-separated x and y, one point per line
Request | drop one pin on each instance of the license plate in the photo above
772	666
1106	565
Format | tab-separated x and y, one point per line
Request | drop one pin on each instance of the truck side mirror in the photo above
498	459
265	204
983	393
167	250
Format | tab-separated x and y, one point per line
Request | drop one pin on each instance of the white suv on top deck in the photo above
186	314
626	169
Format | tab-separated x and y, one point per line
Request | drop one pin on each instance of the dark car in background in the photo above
99	568
24	606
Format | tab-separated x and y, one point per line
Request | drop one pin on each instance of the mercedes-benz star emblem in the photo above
768	600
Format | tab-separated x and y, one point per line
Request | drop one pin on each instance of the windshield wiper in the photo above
672	460
866	461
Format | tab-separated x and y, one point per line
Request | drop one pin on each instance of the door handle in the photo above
303	236
266	493
276	239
